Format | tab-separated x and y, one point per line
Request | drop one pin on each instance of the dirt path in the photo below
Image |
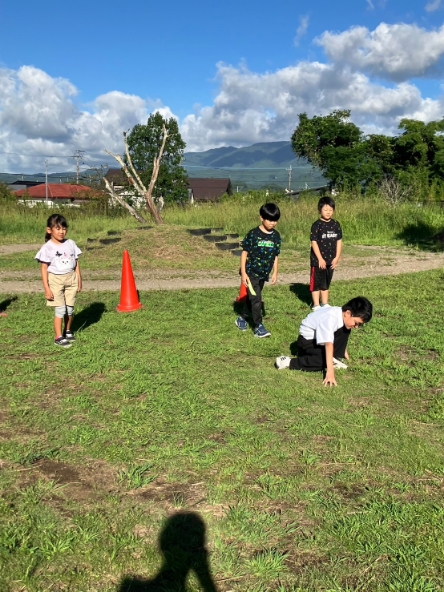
380	261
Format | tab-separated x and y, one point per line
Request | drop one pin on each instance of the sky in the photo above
75	75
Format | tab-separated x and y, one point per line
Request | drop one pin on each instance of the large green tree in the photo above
347	157
144	142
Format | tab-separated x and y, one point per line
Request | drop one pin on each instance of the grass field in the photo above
167	429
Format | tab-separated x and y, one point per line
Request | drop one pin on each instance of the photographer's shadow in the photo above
88	316
182	544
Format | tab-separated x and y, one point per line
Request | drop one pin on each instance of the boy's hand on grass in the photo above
330	379
322	263
346	355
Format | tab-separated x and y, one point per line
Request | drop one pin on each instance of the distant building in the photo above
201	190
58	194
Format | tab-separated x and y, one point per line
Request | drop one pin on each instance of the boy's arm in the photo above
274	274
243	263
44	271
317	252
335	261
330	374
79	276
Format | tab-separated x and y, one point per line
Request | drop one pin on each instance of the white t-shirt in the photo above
322	324
62	257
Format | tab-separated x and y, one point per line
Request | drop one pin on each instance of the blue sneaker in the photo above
241	324
261	331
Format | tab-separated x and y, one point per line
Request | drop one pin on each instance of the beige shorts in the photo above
64	288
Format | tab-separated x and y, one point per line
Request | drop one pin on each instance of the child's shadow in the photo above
182	544
301	291
238	307
5	303
88	316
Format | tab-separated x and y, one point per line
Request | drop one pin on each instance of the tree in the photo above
333	144
144	144
347	157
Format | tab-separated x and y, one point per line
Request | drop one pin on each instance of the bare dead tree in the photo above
122	202
136	182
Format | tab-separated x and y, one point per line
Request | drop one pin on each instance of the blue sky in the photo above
75	75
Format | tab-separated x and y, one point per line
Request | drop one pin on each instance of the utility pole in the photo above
289	178
46	182
78	157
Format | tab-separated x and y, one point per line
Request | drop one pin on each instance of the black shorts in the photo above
320	279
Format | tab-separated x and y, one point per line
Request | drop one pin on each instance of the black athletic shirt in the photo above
326	234
262	249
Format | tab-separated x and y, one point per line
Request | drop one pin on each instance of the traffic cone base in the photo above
129	298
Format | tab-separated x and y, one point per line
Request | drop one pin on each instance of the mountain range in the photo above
261	155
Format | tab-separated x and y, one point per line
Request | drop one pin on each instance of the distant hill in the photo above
261	155
264	165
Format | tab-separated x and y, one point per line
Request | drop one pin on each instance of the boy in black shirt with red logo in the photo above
326	248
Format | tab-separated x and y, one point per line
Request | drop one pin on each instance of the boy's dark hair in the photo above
326	201
270	211
55	220
359	307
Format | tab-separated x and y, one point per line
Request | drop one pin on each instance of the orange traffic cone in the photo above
243	293
129	299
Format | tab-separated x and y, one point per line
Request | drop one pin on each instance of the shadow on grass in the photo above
88	316
422	236
4	304
301	291
182	544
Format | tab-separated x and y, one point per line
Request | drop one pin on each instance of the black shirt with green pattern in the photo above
262	248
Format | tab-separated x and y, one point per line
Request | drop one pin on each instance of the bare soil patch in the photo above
378	261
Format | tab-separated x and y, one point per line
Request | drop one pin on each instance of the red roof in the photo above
55	190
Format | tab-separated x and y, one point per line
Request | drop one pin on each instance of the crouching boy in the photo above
323	337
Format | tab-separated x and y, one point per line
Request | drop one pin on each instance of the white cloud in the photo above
39	114
38	117
370	4
302	29
254	107
396	52
432	6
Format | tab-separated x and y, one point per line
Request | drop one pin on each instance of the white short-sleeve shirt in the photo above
61	257
322	324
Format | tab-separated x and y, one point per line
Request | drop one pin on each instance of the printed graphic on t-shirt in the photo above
65	261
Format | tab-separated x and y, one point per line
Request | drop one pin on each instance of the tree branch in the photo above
122	202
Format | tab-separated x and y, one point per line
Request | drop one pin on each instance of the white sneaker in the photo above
325	305
313	308
338	365
282	362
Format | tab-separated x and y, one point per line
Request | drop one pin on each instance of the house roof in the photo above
55	190
209	189
117	176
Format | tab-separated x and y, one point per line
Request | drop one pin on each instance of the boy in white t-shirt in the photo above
323	337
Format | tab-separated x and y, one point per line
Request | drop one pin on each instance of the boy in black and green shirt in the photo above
261	248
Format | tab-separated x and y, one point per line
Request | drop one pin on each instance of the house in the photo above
202	190
58	194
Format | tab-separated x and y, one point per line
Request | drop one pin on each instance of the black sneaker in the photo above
62	342
69	336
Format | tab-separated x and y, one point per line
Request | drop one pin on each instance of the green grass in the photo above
364	221
171	409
